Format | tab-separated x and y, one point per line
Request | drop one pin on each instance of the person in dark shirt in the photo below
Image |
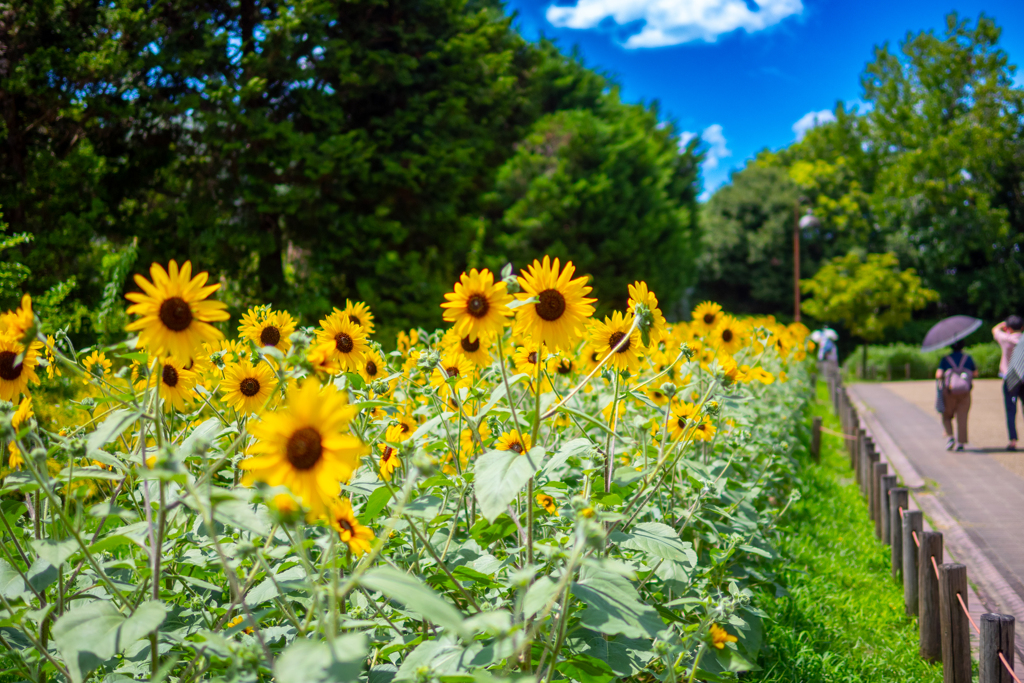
957	404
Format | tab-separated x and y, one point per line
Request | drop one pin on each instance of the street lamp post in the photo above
807	222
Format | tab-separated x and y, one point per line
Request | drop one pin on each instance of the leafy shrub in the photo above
295	505
889	362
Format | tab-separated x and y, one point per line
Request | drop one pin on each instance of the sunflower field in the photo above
530	493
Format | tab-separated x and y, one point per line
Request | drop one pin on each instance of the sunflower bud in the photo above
687	351
669	389
644	321
712	408
428	361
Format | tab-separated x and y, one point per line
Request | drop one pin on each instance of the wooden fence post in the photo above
816	439
898	499
996	637
928	618
887	483
956	637
867	446
913	522
869	466
878	470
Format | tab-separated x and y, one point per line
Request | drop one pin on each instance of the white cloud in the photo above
717	149
810	120
684	138
672	22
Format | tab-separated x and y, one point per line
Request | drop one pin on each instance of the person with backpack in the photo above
1007	335
956	373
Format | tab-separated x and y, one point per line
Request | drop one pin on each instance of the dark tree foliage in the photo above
312	151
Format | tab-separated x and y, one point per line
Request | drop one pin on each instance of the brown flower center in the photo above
477	306
250	386
344	343
175	314
614	340
681	422
516	446
551	305
346	525
170	376
709	318
727	335
353	319
564	367
452	371
371	368
388	454
470	346
8	370
304	448
532	357
270	336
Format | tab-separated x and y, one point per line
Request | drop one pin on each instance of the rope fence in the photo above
931	596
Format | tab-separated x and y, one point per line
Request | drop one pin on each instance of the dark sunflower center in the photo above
551	304
175	314
344	524
250	386
727	335
389	453
564	367
709	318
470	346
614	340
170	376
477	306
344	342
270	336
658	395
681	422
532	357
371	368
405	428
353	319
595	356
8	370
516	446
304	448
452	371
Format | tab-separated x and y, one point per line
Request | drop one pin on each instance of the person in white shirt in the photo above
1007	335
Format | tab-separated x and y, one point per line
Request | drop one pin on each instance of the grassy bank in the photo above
841	618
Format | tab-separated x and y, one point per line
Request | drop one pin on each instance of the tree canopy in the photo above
315	151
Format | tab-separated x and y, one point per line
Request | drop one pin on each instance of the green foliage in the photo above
315	151
890	362
931	172
841	618
607	188
867	295
12	273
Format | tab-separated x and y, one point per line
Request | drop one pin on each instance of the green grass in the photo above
843	617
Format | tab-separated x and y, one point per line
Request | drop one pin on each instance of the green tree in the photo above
865	295
607	188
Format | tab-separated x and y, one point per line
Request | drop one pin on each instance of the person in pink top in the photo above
1007	335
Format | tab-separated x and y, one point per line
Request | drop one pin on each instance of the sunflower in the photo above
357	536
268	328
657	396
591	357
705	317
561	365
389	461
23	413
15	377
304	446
18	322
247	387
52	369
513	441
176	384
548	503
606	336
407	340
401	430
16	460
727	335
453	366
96	365
639	294
468	443
176	315
682	417
344	339
374	366
478	306
704	430
719	637
221	353
358	313
474	350
561	308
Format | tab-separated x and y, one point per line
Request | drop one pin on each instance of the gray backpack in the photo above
959	380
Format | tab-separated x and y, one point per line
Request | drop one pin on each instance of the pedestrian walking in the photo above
956	373
1007	335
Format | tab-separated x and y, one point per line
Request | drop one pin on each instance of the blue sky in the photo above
743	74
